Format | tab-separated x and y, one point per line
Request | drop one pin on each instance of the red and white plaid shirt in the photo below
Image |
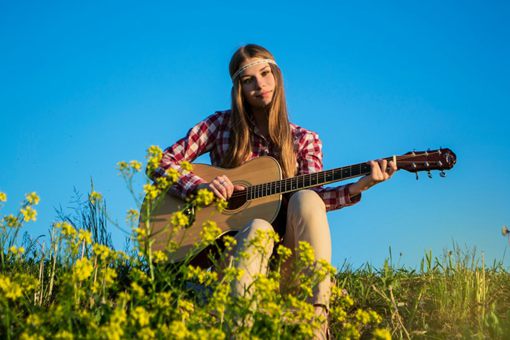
212	135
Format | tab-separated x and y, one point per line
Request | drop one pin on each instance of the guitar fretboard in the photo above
307	181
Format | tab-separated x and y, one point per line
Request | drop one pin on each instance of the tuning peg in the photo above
442	173
429	174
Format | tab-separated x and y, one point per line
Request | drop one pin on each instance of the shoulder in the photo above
219	120
302	135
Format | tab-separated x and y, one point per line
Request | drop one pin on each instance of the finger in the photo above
239	187
229	187
383	164
217	193
218	185
392	167
376	170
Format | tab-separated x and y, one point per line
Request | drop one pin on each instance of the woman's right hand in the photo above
221	186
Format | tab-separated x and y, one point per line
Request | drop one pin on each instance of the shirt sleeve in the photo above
197	141
310	161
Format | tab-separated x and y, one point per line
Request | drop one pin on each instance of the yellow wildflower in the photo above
505	231
11	290
34	320
177	330
83	269
32	198
159	256
64	335
151	192
101	251
382	334
179	219
3	197
12	221
16	251
229	242
109	276
135	165
154	154
172	175
221	205
141	316
204	197
186	166
306	253
122	165
162	183
29	214
26	336
95	197
85	235
67	229
146	334
283	252
210	232
135	288
185	308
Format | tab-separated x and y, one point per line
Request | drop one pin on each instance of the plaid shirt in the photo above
212	135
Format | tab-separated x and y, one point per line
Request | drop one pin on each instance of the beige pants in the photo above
306	221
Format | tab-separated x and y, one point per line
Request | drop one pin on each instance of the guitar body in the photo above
257	171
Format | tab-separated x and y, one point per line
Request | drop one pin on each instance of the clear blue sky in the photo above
83	86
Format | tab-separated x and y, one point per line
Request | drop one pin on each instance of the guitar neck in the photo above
308	181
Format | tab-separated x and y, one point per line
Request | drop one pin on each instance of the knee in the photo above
304	200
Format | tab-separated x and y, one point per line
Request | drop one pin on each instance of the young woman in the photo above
257	124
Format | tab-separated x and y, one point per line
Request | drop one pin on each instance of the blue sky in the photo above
83	86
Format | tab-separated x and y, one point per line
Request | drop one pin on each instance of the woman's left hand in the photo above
381	170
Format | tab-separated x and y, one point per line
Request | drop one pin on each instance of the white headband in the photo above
257	62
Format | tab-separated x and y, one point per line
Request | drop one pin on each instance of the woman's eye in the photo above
265	73
246	80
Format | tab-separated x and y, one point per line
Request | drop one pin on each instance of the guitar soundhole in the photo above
235	202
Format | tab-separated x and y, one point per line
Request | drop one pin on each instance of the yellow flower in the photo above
135	165
29	214
11	290
154	154
306	253
135	288
64	335
146	334
159	256
109	276
382	334
229	242
67	229
204	197
172	175
95	197
151	192
505	231
141	316
32	198
85	235
16	251
83	269
122	165
177	330
179	219
283	252
186	166
210	232
12	221
3	197
101	251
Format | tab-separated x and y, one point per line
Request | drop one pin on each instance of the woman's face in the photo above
257	84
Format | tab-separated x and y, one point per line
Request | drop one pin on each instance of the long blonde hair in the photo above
279	128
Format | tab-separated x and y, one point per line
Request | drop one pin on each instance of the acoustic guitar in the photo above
262	197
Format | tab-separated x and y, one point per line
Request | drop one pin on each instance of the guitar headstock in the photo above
441	159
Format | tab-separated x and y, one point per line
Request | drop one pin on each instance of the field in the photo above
73	284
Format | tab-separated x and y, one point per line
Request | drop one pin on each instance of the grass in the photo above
73	284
